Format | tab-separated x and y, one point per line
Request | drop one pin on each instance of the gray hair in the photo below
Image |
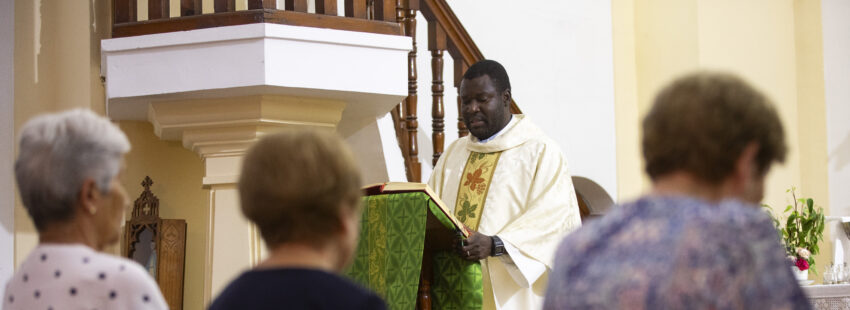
58	153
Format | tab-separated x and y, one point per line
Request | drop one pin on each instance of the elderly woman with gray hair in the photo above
67	172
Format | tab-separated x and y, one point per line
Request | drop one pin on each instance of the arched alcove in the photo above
593	200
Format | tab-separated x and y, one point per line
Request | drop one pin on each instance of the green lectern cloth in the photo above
389	255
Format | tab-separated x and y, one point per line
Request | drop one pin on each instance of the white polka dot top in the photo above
59	277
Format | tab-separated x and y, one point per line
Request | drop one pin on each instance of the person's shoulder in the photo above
124	269
373	302
128	276
595	231
351	295
458	144
297	286
735	215
536	138
348	285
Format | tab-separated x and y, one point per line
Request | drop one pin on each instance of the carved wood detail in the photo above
437	107
459	70
168	238
172	260
414	168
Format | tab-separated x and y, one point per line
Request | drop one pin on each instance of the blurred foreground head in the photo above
716	129
303	187
67	169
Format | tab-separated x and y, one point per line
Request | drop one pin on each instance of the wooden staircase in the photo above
445	33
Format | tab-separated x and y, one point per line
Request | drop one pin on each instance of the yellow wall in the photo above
774	44
177	174
57	64
811	112
57	67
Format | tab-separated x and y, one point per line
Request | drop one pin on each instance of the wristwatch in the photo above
498	247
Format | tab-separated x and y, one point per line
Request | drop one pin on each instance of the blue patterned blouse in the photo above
675	253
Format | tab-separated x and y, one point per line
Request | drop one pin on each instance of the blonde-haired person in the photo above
302	190
699	240
67	172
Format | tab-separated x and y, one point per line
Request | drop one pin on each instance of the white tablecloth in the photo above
829	297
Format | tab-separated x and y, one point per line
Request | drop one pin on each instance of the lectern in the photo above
405	251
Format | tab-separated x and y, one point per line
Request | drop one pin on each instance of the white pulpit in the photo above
219	89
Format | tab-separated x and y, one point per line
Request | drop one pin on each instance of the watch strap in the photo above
498	248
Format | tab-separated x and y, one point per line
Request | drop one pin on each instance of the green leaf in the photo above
788	208
811	204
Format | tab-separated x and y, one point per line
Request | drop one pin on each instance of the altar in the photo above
828	297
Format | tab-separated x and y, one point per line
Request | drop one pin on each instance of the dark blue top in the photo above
291	288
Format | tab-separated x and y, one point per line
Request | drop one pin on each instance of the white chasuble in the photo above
530	204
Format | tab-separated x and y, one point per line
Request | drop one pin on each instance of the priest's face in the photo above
485	110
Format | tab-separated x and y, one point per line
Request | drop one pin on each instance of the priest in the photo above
510	185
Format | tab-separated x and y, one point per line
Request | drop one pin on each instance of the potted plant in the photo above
801	231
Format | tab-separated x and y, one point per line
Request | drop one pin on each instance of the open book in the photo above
406	187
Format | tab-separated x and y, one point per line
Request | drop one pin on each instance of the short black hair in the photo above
491	68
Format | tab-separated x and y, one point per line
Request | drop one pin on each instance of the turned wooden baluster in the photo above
190	7
437	44
426	273
460	69
396	112
411	122
158	9
123	11
262	4
355	8
386	10
296	5
327	7
224	6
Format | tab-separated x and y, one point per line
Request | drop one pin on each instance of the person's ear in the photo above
89	196
745	165
506	97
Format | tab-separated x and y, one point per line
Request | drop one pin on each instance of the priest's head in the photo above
712	135
485	93
302	190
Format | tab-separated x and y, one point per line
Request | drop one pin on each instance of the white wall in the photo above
560	61
7	141
836	64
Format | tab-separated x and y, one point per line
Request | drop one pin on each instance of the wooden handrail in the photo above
445	33
460	44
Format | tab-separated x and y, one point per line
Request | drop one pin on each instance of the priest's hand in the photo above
476	247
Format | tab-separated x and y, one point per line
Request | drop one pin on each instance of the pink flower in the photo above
802	264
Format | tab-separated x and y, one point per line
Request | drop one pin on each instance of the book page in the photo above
400	187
